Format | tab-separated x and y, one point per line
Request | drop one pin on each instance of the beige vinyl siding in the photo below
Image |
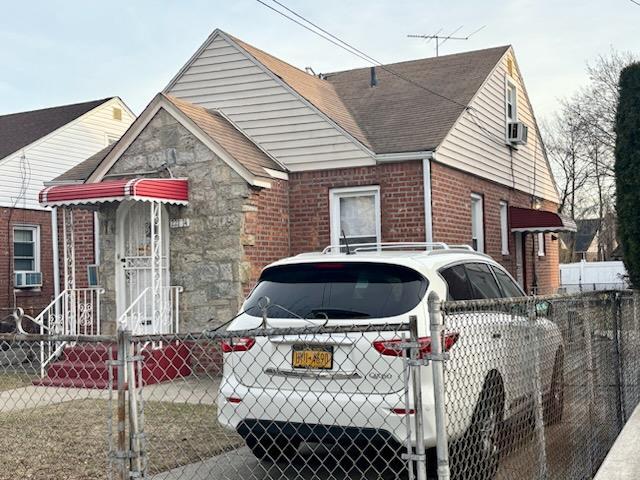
56	153
483	151
224	77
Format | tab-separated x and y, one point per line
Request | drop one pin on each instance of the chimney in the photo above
374	78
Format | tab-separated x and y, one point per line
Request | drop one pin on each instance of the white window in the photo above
477	223
355	214
511	102
26	248
504	227
541	246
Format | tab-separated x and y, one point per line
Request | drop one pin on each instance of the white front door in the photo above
134	269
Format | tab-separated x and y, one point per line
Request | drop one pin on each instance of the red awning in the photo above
530	220
165	190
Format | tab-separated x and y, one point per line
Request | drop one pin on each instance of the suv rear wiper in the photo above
338	313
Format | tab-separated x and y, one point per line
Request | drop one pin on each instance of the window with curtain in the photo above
355	214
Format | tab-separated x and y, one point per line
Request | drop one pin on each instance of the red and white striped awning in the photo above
165	190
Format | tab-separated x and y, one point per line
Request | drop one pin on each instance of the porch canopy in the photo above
528	220
163	190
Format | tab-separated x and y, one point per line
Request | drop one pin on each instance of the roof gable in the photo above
18	130
215	131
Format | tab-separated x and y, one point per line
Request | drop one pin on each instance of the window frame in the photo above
510	85
478	199
35	229
504	227
335	194
491	267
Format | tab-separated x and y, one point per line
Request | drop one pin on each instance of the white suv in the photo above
280	390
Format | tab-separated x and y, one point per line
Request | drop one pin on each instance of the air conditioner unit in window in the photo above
517	133
27	279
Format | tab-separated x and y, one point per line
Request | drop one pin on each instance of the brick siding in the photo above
266	229
401	202
34	300
451	204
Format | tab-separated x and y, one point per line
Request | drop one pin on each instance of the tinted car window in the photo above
483	284
338	290
457	283
508	286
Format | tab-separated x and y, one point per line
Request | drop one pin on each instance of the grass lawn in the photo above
9	381
69	440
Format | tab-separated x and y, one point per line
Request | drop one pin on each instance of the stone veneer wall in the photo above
206	256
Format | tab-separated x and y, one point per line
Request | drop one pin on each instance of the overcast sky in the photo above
59	52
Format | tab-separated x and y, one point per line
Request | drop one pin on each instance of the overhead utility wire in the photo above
351	49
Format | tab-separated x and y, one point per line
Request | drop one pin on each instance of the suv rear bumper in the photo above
352	415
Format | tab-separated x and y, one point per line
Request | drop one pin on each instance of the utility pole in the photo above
441	39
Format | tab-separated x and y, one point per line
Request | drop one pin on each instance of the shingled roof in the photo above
412	107
17	130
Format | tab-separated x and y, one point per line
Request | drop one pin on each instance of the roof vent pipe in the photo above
374	78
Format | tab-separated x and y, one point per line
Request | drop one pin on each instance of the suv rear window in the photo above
338	290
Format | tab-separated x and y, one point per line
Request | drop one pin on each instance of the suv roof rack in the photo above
425	247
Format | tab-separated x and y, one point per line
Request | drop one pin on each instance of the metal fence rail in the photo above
508	389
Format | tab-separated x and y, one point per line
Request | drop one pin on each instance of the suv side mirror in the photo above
543	308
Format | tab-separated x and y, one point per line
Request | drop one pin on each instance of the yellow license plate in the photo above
305	356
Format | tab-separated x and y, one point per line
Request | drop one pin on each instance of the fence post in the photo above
420	454
588	350
534	338
134	426
437	329
617	360
122	453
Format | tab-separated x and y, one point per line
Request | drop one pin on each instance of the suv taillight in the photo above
393	348
237	344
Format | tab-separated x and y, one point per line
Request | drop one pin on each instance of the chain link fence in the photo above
509	389
539	388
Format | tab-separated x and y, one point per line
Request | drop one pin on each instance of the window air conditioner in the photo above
517	133
27	279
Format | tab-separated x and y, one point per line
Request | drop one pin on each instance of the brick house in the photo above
244	159
35	147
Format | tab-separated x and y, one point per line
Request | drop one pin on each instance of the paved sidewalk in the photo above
623	460
191	390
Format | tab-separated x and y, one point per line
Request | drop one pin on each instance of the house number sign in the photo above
179	223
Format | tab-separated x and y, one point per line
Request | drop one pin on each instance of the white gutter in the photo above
426	187
403	156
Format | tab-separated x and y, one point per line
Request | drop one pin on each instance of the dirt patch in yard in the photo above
70	441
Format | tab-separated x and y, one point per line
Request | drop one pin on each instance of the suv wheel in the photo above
554	404
485	433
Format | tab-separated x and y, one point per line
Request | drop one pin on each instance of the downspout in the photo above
96	239
426	184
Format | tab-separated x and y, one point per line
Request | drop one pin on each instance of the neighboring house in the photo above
35	147
590	242
244	159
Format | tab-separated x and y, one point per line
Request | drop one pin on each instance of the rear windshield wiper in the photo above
339	313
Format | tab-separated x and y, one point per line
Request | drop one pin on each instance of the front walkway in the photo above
195	391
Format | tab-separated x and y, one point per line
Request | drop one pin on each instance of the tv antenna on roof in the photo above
440	39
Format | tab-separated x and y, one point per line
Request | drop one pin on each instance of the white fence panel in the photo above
585	276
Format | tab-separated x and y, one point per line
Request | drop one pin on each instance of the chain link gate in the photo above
396	442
